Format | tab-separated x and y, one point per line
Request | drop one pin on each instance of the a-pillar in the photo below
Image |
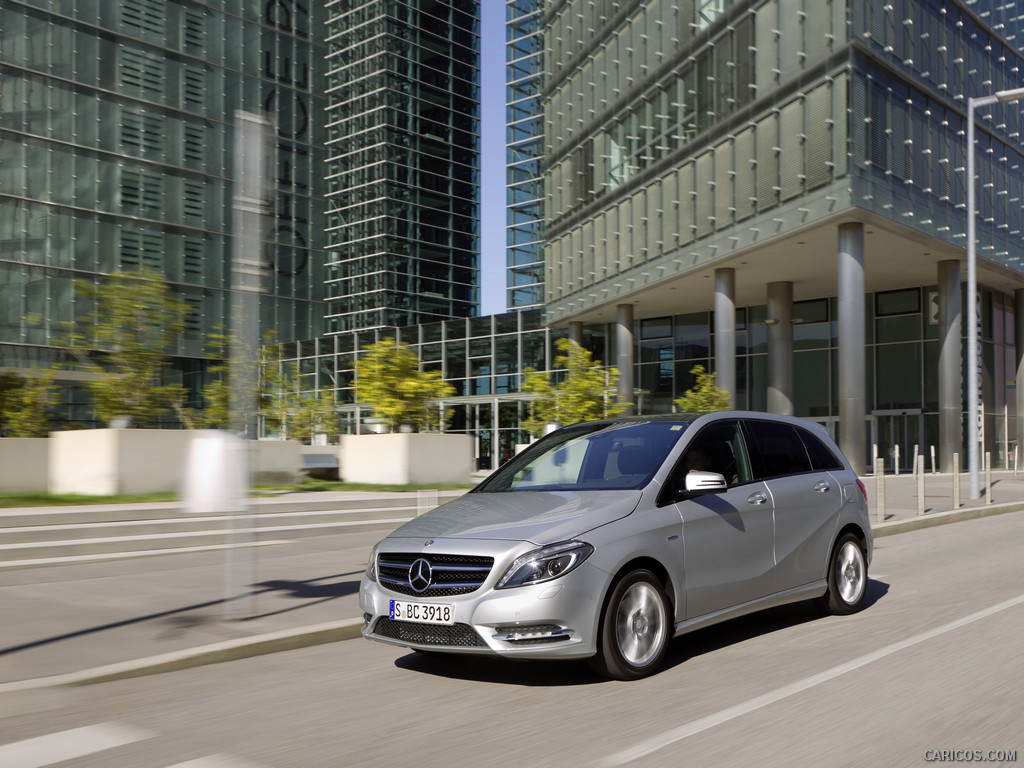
725	332
1018	321
780	348
624	356
951	396
576	332
852	399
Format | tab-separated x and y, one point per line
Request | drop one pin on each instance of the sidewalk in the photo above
74	624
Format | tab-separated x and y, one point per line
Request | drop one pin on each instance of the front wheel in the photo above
847	578
635	628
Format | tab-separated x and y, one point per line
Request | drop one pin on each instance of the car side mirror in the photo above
700	483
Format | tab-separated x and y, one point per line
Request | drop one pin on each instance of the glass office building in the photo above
791	171
116	141
525	78
403	134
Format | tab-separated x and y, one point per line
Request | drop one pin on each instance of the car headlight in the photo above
545	564
371	565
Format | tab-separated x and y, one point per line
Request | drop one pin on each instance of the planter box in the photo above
106	462
24	464
405	458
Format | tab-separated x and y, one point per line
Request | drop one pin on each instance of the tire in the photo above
847	578
635	628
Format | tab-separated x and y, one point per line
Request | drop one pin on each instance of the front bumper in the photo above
555	620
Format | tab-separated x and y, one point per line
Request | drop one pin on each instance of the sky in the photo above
492	160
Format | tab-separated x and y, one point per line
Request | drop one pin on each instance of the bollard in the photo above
956	481
913	464
874	454
920	485
896	460
1015	449
880	490
988	477
935	469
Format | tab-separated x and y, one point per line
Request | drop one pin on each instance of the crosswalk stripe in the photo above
215	761
67	745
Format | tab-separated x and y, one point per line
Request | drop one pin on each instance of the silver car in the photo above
607	539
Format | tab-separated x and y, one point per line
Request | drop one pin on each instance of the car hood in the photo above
541	517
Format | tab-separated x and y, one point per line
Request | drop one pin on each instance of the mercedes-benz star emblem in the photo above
420	575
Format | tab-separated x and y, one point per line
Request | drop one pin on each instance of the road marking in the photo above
67	745
675	735
70	559
215	761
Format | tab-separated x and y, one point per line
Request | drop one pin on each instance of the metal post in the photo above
916	454
880	490
951	384
247	265
973	382
896	459
935	469
919	466
988	477
956	481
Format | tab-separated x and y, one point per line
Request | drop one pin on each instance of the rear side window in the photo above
821	456
776	449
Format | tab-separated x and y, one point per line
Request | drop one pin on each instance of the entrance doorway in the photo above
898	432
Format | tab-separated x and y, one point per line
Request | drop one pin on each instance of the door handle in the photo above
757	498
822	486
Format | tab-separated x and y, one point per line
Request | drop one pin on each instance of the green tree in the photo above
26	403
389	379
291	412
586	392
125	342
705	395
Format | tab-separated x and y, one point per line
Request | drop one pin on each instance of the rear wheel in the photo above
635	628
847	578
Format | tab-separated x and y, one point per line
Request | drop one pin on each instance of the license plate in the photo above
423	613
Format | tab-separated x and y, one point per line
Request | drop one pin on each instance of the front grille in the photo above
451	574
455	636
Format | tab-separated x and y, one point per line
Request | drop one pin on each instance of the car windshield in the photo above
590	457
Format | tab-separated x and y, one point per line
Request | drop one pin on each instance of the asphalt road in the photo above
932	666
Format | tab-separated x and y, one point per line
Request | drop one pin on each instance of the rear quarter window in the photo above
820	454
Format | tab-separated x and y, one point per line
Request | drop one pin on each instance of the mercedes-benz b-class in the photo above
607	539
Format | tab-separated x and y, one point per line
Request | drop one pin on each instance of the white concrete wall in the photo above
276	462
24	464
107	462
401	459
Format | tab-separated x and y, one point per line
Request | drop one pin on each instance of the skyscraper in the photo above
403	166
116	138
525	77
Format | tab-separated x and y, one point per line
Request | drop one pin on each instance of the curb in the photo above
214	653
932	519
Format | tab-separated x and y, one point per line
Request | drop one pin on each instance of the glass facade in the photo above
116	141
525	75
403	181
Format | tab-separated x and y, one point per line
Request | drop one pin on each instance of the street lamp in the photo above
975	409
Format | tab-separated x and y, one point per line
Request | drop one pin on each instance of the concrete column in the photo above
852	397
576	331
780	348
1018	321
725	331
624	357
950	362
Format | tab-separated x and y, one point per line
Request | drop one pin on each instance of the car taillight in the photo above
863	490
